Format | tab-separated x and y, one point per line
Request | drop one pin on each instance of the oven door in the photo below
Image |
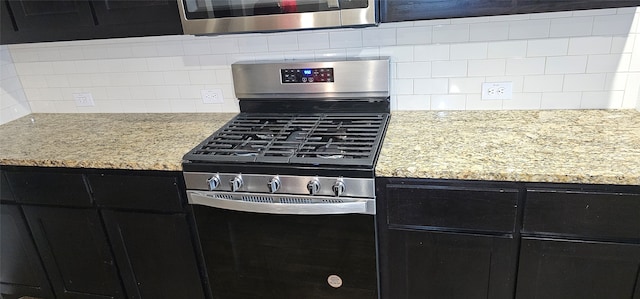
277	256
235	16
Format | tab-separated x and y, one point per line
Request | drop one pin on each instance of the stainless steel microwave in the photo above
237	16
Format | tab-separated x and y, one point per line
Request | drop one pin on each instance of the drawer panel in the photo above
159	193
454	208
51	188
585	214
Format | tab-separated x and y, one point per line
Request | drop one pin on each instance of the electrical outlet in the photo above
497	91
212	96
84	99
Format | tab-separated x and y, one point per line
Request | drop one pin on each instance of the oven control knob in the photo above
236	183
274	184
214	182
338	188
313	186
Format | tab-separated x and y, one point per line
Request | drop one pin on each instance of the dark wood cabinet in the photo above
21	271
409	10
148	227
59	20
567	269
98	234
580	242
75	252
441	240
155	254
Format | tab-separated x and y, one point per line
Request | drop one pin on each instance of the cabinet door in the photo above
117	18
50	20
155	255
448	266
21	271
75	252
564	269
404	10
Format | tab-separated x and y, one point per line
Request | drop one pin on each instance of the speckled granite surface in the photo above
116	141
572	146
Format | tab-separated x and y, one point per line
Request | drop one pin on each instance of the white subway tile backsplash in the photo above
619	24
451	68
564	60
525	66
468	51
474	102
507	49
283	42
584	82
465	85
489	32
528	29
253	44
431	86
566	64
448	102
487	67
378	37
313	41
560	100
589	45
431	52
602	100
542	83
346	39
523	101
413	70
451	33
414	35
413	102
547	47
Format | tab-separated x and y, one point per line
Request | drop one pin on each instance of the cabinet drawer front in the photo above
158	193
52	188
455	208
596	215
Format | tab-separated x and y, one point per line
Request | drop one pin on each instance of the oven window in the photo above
205	9
250	255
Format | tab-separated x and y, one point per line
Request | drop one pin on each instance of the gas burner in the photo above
246	149
329	151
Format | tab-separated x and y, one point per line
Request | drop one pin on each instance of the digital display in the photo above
314	75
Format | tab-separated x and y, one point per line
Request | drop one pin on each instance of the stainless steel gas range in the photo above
283	194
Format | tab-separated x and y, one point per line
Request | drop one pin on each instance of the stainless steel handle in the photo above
353	207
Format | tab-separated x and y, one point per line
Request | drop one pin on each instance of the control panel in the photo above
310	75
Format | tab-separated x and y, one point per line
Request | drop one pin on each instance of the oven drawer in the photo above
585	214
448	207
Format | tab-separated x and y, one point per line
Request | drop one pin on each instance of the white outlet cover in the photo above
497	90
212	96
84	99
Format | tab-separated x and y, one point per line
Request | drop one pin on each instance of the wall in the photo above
566	60
13	102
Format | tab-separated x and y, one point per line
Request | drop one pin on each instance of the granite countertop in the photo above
565	146
572	146
114	141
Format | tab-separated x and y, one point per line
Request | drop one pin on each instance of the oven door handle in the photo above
352	206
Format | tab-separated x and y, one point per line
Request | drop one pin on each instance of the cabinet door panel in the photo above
5	190
66	189
155	254
158	193
21	271
75	252
563	269
583	214
452	208
137	18
402	10
448	266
